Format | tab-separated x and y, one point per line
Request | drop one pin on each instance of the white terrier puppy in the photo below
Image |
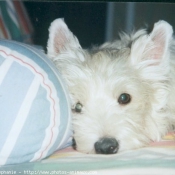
122	93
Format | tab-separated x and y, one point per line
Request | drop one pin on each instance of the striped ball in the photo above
34	108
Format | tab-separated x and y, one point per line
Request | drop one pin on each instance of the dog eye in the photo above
78	107
124	98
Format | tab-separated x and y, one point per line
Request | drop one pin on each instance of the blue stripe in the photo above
12	93
33	133
40	58
56	79
1	59
14	31
11	10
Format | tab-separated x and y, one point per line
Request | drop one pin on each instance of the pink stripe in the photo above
163	144
167	141
49	96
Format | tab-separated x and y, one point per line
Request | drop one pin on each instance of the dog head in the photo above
118	91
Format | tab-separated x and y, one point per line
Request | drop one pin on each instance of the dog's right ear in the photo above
60	38
154	47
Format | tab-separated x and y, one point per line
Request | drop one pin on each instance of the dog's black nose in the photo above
106	146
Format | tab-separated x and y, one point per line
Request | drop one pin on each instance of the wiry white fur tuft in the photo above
141	65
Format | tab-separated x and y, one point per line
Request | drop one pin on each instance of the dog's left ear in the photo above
60	38
154	47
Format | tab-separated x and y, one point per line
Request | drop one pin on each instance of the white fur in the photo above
140	64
